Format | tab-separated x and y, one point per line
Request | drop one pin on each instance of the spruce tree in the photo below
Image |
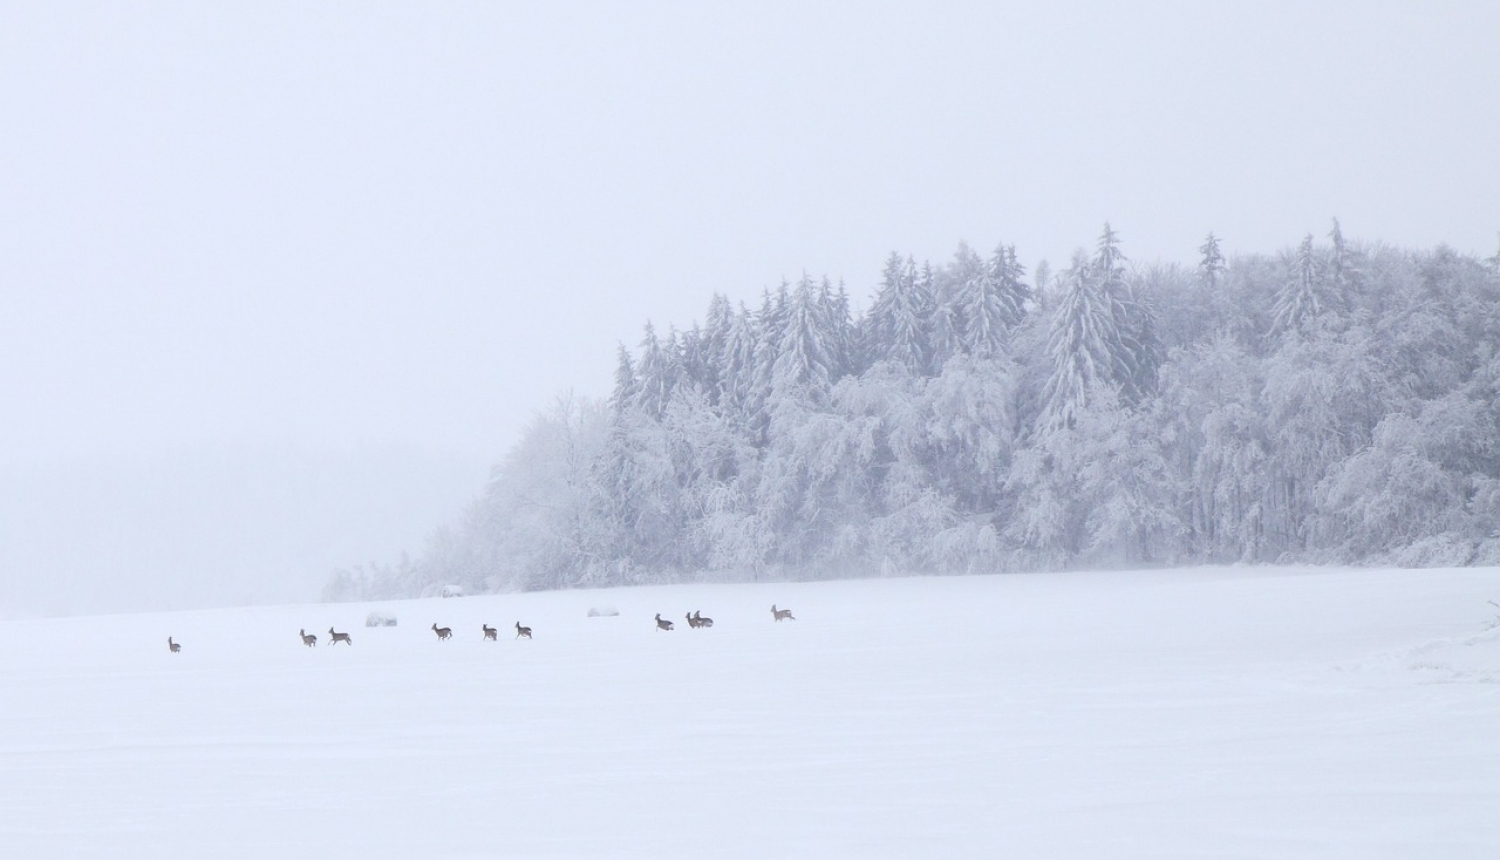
1301	299
993	302
1211	263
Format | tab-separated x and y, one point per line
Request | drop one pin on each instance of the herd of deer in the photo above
695	620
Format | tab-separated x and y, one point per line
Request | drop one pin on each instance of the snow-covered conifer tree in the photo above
627	386
696	365
1135	319
837	328
803	365
1304	295
1345	267
715	338
737	364
1085	346
992	301
1210	263
897	325
655	372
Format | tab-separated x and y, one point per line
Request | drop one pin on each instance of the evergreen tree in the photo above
1109	262
1134	320
1084	346
695	363
1211	263
1303	296
1013	292
947	335
993	302
837	329
898	323
877	329
627	387
770	322
737	369
1344	267
654	373
803	366
715	346
1043	281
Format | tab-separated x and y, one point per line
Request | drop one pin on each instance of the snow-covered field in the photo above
1240	712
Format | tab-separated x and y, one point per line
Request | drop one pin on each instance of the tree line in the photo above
1334	403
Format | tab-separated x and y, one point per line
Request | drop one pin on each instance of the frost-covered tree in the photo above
1323	397
804	365
837	329
1127	484
714	347
536	525
627	386
1210	263
896	328
1345	267
992	302
947	334
972	432
737	365
1135	318
1086	346
656	373
1391	494
770	322
1305	295
1042	279
1210	410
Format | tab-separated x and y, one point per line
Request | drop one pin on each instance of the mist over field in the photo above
283	283
213	526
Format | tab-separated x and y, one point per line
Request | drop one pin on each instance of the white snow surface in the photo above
1190	713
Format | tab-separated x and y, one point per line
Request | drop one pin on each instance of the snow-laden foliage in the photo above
1332	403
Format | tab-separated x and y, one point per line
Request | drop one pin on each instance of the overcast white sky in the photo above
339	253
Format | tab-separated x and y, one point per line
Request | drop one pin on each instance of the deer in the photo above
340	637
442	632
308	639
780	614
662	623
522	632
695	619
489	632
175	646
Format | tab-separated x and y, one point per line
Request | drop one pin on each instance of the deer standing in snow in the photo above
489	632
442	632
780	614
522	632
308	639
175	646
